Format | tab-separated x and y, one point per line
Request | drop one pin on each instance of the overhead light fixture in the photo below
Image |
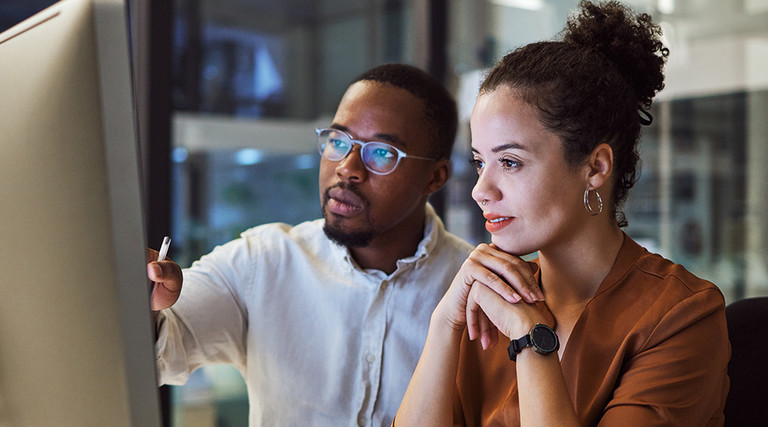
666	6
179	155
533	5
248	156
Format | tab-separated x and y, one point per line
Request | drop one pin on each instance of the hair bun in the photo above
629	40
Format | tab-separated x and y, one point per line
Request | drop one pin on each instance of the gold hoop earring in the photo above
588	206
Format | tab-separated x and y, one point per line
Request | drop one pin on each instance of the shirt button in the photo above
384	286
370	358
361	420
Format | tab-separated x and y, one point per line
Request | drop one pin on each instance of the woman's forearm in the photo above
544	399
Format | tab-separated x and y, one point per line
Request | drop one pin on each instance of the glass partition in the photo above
252	81
701	198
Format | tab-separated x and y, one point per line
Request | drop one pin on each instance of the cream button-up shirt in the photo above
319	341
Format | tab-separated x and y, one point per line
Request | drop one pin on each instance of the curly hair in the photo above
591	85
440	111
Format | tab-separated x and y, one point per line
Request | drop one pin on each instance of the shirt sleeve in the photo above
679	377
208	323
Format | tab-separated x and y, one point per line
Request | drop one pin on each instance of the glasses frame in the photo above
400	153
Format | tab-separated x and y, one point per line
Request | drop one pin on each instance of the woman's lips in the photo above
344	202
495	223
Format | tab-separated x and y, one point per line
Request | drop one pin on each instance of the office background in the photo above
238	85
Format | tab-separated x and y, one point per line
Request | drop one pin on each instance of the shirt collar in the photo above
628	255
433	228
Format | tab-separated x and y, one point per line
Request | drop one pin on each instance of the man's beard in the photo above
350	239
337	233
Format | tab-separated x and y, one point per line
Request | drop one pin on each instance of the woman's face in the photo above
533	198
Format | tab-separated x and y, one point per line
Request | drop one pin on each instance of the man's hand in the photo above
167	279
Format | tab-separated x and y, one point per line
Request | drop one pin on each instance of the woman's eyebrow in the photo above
502	147
509	146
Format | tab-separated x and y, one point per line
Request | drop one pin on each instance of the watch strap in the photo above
516	346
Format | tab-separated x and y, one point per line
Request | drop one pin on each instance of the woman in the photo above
602	331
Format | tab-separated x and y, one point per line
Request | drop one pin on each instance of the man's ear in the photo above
441	171
600	165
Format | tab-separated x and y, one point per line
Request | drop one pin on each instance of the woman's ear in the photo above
600	165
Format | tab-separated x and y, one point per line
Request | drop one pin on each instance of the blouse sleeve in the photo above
679	377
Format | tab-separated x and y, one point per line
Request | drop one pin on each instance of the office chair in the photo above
747	402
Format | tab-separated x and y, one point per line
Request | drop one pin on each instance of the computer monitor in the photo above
76	344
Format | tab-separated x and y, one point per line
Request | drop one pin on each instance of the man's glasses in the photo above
378	157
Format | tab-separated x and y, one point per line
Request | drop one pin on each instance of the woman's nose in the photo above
485	189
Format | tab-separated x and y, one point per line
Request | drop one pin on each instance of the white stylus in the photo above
164	248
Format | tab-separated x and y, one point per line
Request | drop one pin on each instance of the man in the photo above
326	320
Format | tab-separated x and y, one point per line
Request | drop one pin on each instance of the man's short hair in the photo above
439	106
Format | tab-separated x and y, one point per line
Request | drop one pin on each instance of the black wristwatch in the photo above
542	338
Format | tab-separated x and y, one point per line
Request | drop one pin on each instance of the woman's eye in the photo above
509	163
477	164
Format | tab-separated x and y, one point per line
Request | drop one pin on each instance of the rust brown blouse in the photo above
650	348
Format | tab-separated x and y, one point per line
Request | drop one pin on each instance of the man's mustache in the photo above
346	186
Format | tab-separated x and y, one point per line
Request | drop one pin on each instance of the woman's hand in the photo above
488	277
488	314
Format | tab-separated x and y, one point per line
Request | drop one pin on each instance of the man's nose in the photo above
351	167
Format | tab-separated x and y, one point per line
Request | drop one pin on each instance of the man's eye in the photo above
338	143
383	153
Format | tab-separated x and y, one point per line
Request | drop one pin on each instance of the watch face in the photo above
544	338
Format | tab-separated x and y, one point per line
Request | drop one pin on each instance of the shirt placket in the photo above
374	331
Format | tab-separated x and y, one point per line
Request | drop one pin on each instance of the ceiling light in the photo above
521	4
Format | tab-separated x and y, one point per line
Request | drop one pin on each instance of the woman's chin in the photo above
514	248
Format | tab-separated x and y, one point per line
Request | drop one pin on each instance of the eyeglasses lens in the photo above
334	145
378	157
